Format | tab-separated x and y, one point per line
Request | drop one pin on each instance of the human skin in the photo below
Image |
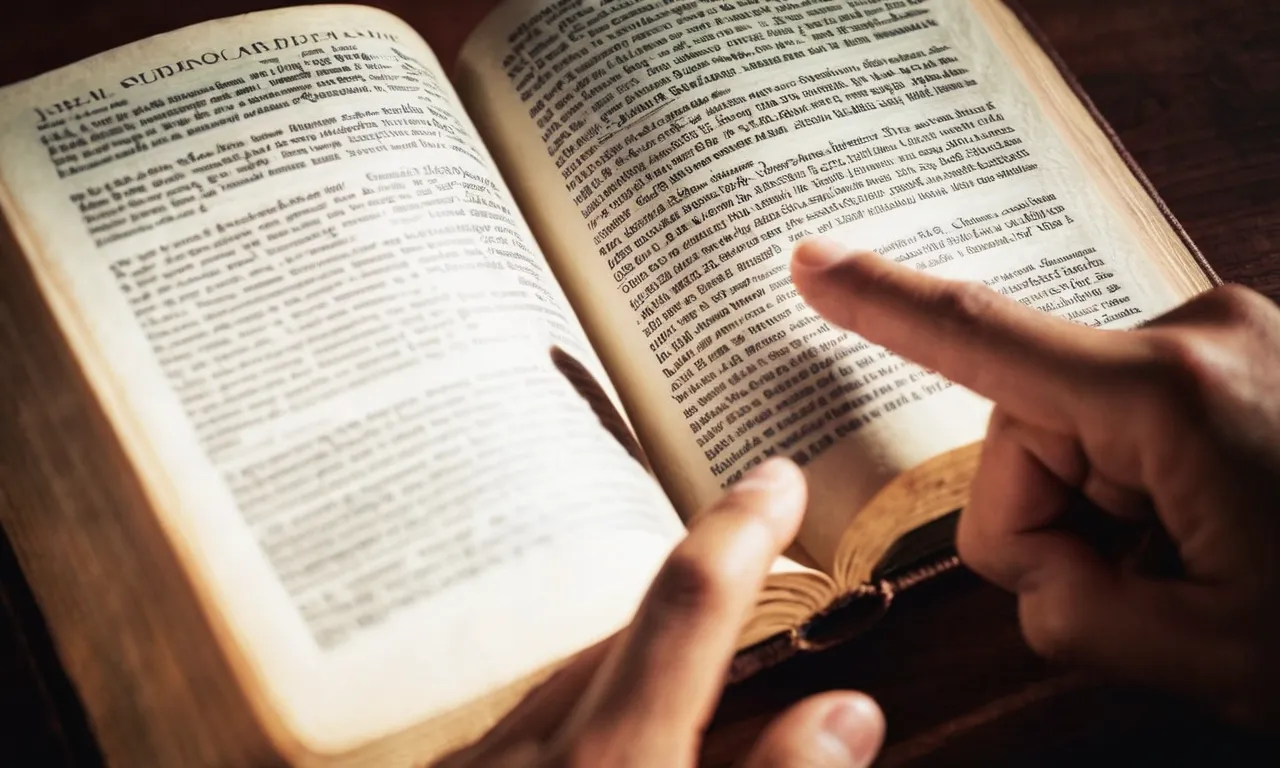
645	697
1173	428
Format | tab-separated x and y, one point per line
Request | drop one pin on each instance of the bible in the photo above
351	394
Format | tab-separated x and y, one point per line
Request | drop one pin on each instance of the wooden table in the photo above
1193	88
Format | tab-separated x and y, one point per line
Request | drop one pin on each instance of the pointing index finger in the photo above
1033	364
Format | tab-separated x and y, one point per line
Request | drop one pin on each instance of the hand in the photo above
645	697
1175	426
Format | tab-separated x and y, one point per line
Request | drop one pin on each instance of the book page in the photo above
668	155
312	311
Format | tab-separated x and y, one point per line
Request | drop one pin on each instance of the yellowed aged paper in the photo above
314	315
669	155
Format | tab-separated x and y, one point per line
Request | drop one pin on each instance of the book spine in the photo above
844	621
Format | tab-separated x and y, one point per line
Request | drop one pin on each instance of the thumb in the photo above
834	730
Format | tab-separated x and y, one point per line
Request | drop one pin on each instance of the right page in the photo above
668	155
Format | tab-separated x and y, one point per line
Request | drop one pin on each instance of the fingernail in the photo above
852	733
784	490
821	253
772	474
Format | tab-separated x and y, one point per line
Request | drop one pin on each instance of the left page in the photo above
308	305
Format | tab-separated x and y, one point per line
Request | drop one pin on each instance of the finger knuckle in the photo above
1188	370
689	585
1053	628
1239	305
965	303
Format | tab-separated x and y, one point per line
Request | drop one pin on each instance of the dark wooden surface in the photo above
1193	89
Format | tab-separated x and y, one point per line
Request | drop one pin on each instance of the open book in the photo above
362	357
